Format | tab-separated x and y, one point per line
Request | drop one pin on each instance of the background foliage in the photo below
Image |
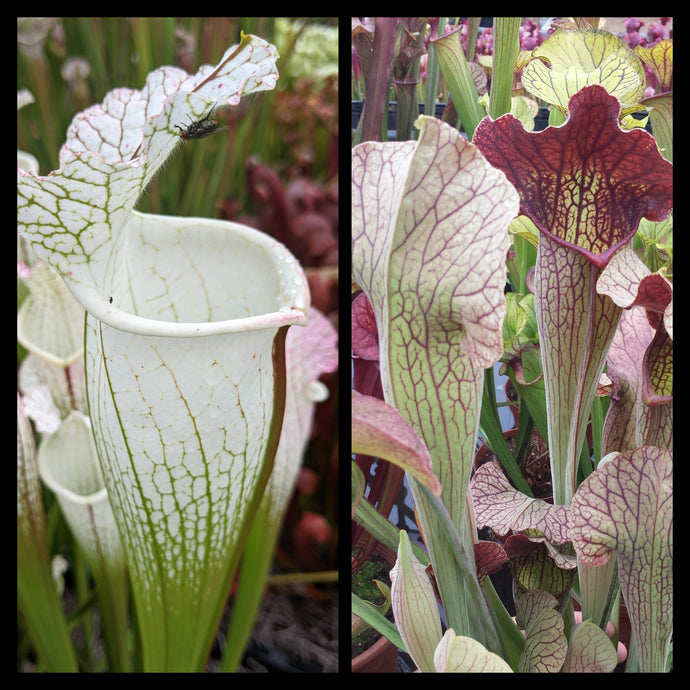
275	169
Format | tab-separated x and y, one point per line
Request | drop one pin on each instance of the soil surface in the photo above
376	568
295	632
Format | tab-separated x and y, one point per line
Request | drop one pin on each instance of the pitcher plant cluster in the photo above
163	399
481	241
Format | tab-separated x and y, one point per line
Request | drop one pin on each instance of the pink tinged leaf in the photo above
656	296
629	283
310	352
379	430
448	257
587	183
657	367
40	408
379	174
644	350
366	376
625	506
624	367
621	278
502	508
430	238
365	341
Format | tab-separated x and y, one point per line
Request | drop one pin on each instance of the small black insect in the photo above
110	299
201	129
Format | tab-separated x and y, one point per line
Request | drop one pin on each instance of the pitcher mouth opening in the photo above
110	315
187	277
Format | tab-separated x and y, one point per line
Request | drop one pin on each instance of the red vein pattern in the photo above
626	507
587	183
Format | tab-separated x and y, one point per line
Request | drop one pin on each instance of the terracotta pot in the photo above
382	656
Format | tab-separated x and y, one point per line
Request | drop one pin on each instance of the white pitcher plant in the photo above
186	321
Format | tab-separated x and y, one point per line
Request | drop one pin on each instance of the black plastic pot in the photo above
541	121
358	107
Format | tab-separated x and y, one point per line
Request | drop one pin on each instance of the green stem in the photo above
297	578
512	639
383	529
256	562
458	78
113	597
506	49
432	73
472	33
480	621
491	429
42	610
370	615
